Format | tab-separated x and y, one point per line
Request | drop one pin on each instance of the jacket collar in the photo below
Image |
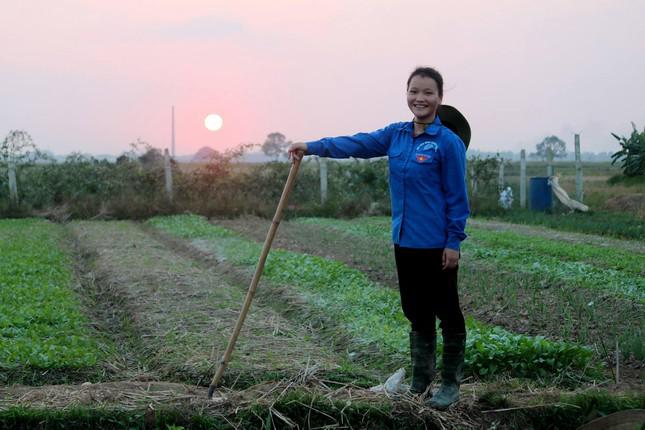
432	129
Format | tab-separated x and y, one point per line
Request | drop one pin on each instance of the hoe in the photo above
256	277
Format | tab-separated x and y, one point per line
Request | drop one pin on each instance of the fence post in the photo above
549	162
549	171
322	163
473	181
13	186
579	183
500	176
523	179
168	175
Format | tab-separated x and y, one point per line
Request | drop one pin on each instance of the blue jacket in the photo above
427	179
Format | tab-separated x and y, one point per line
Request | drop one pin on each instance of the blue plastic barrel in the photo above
540	195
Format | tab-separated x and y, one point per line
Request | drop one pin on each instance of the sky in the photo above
95	75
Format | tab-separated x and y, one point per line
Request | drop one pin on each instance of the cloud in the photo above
203	27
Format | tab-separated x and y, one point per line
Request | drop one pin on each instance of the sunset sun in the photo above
213	122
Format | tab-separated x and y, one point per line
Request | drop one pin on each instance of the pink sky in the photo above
93	76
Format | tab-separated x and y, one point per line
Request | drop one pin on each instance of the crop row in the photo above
587	266
371	313
41	323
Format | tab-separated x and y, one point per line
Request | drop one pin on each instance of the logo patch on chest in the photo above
428	146
426	151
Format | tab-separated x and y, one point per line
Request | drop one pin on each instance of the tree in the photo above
553	143
144	153
18	147
276	145
481	172
152	157
632	154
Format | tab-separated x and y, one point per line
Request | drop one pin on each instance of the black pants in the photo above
427	291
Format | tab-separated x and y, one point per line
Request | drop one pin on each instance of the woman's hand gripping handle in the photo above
297	150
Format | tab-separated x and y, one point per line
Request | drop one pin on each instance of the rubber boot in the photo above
423	348
454	347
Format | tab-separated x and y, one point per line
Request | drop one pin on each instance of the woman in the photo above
427	165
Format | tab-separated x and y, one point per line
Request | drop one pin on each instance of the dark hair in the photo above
428	72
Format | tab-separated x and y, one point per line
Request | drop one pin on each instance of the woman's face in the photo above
423	98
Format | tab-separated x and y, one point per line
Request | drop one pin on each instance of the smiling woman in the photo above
213	122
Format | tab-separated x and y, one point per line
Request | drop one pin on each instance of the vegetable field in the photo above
119	324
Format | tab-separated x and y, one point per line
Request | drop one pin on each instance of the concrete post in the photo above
579	182
549	171
168	175
523	179
500	176
13	186
322	163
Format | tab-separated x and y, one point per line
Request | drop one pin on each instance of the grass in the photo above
370	313
42	326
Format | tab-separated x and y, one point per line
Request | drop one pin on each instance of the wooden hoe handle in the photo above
256	277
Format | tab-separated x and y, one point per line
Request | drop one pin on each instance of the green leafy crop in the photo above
41	325
609	269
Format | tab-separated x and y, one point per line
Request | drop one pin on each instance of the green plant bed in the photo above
516	272
613	224
612	270
370	313
583	265
42	328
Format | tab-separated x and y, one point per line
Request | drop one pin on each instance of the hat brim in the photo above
455	121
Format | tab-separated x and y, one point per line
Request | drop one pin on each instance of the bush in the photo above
632	153
87	187
133	187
